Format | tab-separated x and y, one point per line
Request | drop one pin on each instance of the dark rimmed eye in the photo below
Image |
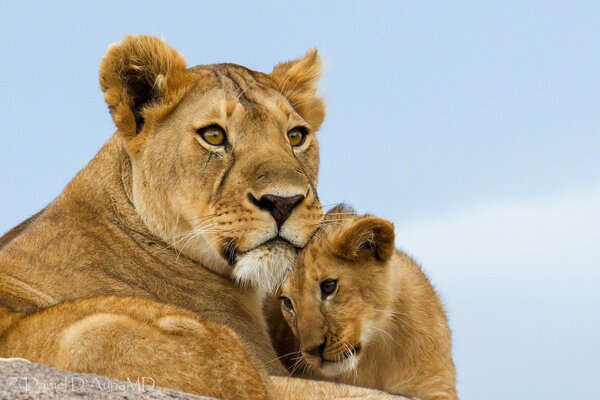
287	303
297	136
328	286
213	135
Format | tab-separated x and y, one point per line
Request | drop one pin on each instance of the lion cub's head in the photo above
338	294
224	160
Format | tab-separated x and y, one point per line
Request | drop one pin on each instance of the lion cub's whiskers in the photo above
306	367
300	361
285	355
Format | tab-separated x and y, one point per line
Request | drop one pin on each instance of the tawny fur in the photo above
161	216
128	337
383	305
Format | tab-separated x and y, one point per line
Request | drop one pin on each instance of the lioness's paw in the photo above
181	324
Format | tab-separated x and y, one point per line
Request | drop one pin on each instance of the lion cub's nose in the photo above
279	207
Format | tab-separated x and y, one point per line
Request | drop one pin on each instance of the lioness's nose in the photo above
279	207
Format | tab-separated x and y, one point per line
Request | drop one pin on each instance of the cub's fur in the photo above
363	313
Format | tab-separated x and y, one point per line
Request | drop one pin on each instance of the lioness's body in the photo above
164	215
89	242
382	327
126	337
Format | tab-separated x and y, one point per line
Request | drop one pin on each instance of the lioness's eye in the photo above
328	286
297	136
213	135
287	303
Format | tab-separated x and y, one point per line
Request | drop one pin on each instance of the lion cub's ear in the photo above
339	213
138	72
298	81
368	237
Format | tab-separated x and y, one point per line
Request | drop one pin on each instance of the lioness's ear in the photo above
367	237
298	81
136	73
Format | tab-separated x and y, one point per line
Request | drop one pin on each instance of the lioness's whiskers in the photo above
182	236
194	232
202	228
182	247
203	217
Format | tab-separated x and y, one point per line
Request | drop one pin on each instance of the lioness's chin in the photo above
266	266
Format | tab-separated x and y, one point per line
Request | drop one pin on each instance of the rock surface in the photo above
25	380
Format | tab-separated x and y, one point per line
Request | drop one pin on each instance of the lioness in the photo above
198	201
364	313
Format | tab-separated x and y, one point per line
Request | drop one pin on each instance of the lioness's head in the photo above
338	295
224	160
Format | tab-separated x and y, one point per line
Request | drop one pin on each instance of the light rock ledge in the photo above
21	380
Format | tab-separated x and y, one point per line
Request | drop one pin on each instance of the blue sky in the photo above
474	126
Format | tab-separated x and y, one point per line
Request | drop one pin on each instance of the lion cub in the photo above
364	313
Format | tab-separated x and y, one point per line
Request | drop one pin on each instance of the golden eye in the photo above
213	135
297	136
287	303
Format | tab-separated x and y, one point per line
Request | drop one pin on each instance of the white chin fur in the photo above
265	267
331	369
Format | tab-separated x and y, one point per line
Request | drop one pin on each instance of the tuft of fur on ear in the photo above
298	81
366	237
139	72
339	213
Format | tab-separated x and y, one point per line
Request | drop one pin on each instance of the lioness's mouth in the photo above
264	266
231	254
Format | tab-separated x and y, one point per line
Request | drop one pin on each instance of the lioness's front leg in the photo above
129	339
285	388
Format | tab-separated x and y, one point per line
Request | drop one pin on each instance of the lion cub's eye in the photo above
328	286
297	136
287	303
213	135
